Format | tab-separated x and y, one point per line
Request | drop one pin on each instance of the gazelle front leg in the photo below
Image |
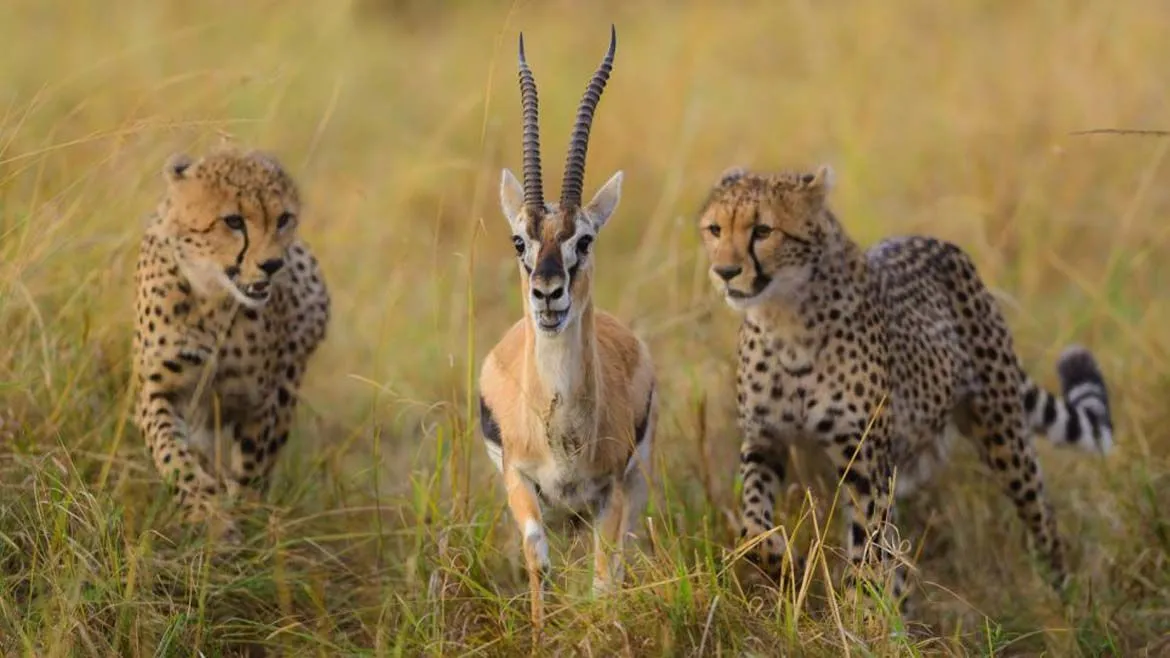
608	536
616	523
526	512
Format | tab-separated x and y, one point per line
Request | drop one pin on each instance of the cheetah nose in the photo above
259	287
272	266
728	272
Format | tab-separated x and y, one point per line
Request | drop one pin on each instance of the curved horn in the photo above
579	143
533	187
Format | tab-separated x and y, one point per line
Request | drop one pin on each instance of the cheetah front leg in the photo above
268	432
867	501
257	443
165	430
763	461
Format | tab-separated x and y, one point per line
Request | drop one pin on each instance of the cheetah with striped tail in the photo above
874	356
230	307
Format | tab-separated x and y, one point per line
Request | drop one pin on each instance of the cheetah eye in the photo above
234	222
759	231
283	221
518	243
583	243
714	230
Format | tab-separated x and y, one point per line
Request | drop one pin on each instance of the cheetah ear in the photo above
820	182
176	167
730	175
268	160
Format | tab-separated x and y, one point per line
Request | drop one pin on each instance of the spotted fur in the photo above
230	305
875	357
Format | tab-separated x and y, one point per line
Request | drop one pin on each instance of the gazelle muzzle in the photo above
548	292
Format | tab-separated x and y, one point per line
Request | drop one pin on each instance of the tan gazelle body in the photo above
567	397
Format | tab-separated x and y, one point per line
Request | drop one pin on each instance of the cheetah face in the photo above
554	249
760	233
232	217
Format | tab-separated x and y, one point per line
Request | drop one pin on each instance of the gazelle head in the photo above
553	240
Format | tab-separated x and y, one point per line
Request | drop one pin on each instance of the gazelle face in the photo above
554	241
555	249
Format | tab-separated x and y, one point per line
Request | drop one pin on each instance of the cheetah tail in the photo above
1080	416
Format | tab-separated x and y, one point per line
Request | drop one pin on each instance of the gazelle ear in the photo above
511	197
602	205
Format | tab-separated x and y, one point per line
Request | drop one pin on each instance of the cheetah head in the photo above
232	217
761	233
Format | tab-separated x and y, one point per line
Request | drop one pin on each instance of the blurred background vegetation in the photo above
386	532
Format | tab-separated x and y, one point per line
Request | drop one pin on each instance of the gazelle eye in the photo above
759	231
518	243
714	230
583	244
234	222
284	220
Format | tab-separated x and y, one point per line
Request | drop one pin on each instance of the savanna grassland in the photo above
385	532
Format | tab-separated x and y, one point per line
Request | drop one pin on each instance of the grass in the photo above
386	531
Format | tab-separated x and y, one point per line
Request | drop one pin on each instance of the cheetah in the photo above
230	305
875	357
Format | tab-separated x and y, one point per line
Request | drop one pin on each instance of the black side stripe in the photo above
644	424
488	424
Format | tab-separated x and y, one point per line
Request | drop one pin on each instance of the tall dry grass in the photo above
386	532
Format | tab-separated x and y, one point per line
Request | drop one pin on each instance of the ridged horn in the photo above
533	186
579	142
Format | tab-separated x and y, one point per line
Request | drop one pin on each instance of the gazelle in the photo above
567	397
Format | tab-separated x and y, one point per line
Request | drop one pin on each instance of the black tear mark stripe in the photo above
488	424
240	257
752	254
244	230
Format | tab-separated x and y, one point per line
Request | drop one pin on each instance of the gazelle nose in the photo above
728	272
548	292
